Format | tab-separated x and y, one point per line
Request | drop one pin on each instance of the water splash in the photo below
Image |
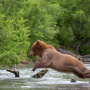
52	80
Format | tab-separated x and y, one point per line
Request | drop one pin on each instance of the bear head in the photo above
38	48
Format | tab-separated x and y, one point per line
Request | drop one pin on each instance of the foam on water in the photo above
52	79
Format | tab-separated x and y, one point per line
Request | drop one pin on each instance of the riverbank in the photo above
85	58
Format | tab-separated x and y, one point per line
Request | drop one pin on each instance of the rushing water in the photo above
52	80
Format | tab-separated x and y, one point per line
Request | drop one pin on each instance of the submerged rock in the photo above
40	74
73	80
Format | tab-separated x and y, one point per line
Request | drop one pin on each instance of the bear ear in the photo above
38	41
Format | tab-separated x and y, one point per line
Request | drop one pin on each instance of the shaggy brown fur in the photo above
51	58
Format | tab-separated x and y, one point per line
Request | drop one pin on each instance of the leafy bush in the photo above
22	22
85	49
9	58
74	22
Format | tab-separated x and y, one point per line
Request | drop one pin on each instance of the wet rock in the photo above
40	74
85	58
73	80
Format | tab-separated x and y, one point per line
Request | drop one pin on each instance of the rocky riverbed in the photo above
85	58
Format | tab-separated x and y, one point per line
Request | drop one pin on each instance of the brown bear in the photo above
51	58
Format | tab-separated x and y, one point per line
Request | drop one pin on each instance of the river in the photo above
52	80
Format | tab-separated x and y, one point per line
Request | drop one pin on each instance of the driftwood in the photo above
14	72
40	74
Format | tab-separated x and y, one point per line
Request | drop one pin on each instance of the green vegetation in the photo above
57	22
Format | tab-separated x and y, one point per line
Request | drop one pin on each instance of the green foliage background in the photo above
57	22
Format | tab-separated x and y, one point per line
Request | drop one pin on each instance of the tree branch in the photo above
14	72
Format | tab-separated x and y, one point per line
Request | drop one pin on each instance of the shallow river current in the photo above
52	80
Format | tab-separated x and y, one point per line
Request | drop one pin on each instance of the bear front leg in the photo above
39	65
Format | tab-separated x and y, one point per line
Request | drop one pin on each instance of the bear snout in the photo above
31	54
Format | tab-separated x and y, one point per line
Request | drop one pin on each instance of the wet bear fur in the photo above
51	58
